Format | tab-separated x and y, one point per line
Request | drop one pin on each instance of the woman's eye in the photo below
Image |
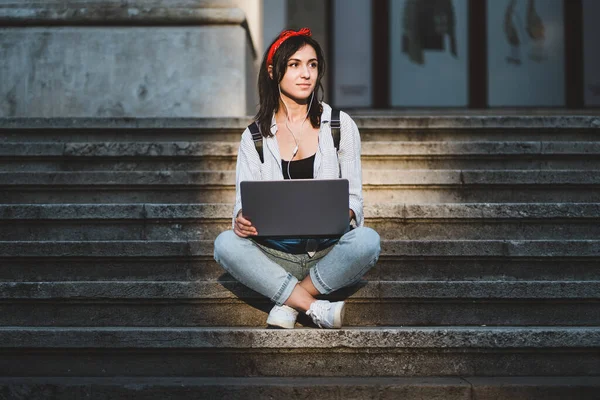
314	65
293	65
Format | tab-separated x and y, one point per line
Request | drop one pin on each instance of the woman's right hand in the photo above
243	227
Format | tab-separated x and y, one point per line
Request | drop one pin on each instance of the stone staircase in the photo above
488	286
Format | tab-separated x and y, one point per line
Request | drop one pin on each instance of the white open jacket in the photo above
329	164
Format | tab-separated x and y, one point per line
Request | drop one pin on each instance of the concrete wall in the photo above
115	58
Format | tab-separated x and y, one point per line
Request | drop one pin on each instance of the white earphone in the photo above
296	148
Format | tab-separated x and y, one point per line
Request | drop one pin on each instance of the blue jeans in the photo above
274	273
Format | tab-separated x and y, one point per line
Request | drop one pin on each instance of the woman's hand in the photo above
243	227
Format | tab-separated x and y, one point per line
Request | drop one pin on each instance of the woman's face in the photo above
301	74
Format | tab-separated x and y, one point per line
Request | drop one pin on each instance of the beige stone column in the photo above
129	58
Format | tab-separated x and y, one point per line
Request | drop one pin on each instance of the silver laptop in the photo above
297	207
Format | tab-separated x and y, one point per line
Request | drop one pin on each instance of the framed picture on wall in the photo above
526	53
428	53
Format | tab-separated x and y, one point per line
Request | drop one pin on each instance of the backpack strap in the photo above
335	125
257	139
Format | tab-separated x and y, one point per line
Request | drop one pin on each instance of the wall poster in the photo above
429	53
352	71
526	47
591	53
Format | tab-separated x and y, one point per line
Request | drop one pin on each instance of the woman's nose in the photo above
306	72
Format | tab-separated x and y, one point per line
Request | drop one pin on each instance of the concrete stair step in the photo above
261	388
479	148
229	289
228	303
210	211
82	222
216	156
370	177
67	267
90	230
413	127
452	162
416	186
368	163
119	156
390	248
251	352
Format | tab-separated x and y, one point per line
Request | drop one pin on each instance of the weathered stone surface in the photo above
534	388
129	361
59	14
562	126
487	269
204	178
118	3
466	312
571	147
530	270
72	211
574	177
182	222
190	229
464	162
251	311
62	128
178	268
106	249
378	149
484	193
432	122
118	194
481	177
215	155
354	338
237	388
507	121
134	164
169	149
116	211
390	248
131	71
385	388
407	149
387	211
483	211
142	269
371	178
231	290
90	15
259	352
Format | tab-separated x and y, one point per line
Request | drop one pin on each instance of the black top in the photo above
299	169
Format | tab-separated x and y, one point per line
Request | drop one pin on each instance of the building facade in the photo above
199	58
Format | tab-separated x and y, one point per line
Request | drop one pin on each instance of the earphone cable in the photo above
288	127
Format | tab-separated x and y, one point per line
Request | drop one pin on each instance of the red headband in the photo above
283	36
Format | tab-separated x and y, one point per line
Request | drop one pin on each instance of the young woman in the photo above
298	144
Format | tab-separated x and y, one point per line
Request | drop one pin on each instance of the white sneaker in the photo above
326	314
283	317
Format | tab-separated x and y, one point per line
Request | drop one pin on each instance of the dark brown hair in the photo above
268	89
